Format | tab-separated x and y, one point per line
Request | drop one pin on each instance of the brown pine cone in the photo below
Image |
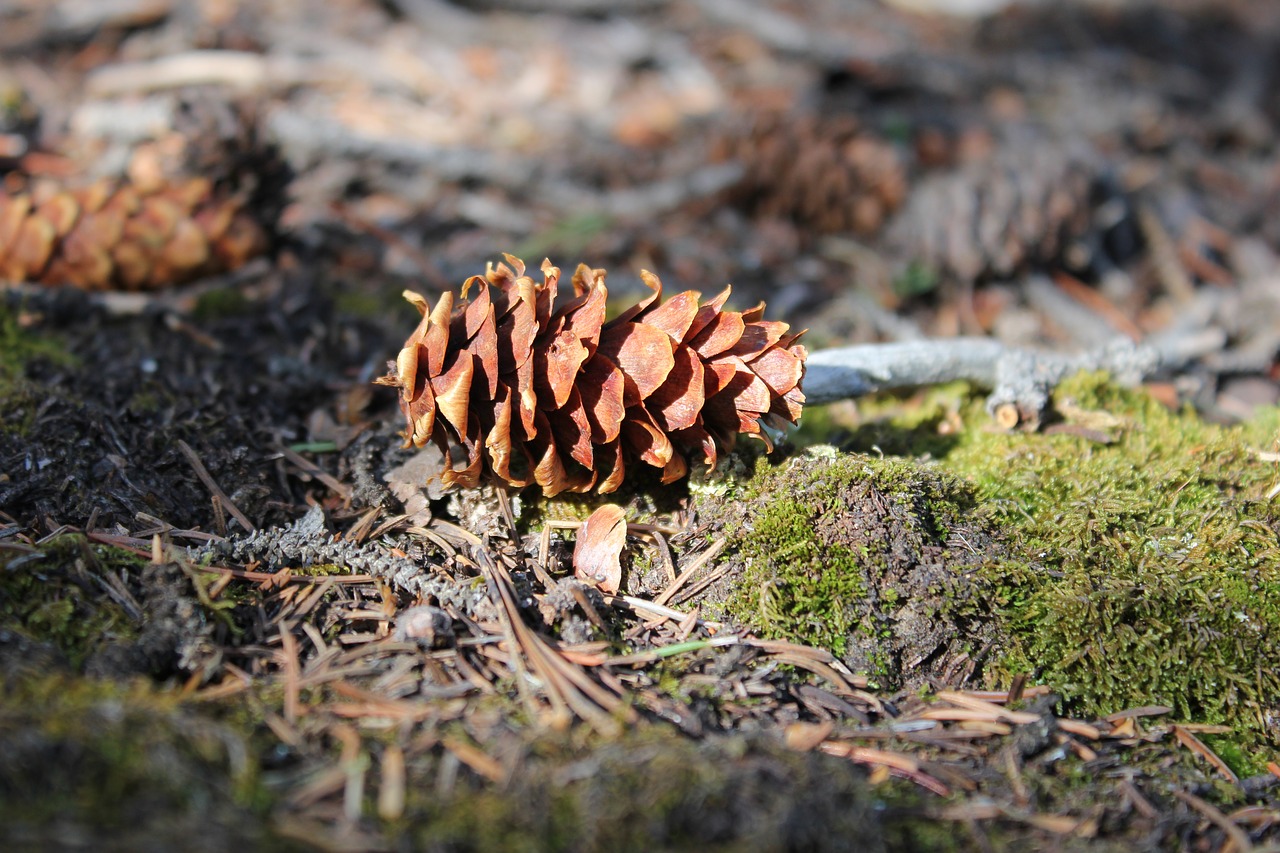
511	386
826	173
990	219
124	235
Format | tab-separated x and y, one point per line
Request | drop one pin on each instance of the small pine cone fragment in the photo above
828	174
1024	206
514	387
124	236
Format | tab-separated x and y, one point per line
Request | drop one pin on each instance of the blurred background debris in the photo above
1044	173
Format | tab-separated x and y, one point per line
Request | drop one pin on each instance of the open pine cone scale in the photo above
511	386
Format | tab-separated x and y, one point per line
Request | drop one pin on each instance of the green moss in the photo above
1149	571
847	552
916	280
220	304
53	595
566	238
377	300
656	790
122	763
19	349
812	597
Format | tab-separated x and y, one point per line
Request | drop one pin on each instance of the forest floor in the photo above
234	609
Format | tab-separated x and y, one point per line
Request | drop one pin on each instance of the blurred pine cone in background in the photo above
200	199
828	174
1027	204
510	385
124	234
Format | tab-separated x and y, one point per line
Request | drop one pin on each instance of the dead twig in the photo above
1021	378
236	69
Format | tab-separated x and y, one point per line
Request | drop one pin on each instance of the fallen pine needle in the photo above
897	763
474	758
392	783
998	712
1238	840
1079	729
1193	743
692	569
671	650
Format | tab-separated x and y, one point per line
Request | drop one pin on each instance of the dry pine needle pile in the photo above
512	386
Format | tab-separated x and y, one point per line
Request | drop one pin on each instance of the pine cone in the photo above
510	386
124	235
826	173
1024	206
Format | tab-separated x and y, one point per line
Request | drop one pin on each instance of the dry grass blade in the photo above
354	761
1013	772
817	668
1140	803
1084	752
633	603
958	715
1143	711
368	704
1059	824
804	737
984	809
324	838
235	682
1097	303
560	714
391	791
292	674
1165	257
990	727
705	582
301	462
